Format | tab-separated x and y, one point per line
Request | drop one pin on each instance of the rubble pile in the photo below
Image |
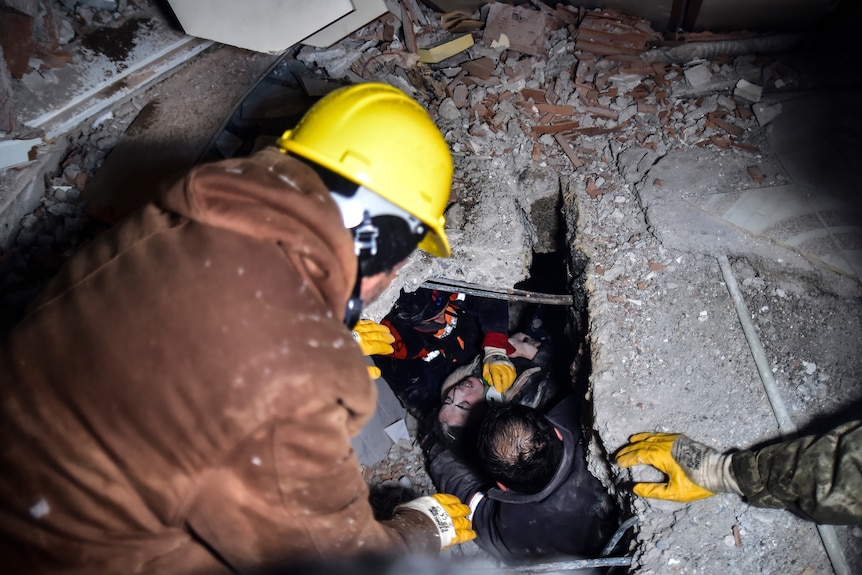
558	118
590	97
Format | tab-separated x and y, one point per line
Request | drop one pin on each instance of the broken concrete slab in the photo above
270	26
111	64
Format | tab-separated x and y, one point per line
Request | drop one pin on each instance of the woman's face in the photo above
460	399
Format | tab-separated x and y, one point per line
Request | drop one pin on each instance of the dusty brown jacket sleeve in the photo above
818	477
293	491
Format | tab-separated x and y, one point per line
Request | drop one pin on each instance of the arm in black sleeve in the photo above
452	476
493	317
818	477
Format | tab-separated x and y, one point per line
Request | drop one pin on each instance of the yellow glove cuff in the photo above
373	338
449	516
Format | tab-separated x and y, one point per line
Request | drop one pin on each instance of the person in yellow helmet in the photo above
181	397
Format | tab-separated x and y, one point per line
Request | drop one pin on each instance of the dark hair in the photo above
392	231
519	447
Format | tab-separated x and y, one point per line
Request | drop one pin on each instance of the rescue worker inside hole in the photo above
433	332
181	397
524	468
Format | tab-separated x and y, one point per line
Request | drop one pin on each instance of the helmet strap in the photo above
365	245
365	236
353	309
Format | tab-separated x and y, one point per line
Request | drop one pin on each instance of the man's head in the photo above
389	170
519	448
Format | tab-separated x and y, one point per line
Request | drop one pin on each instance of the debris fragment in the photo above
756	175
747	90
446	50
516	28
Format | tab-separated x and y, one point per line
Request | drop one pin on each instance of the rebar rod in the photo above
785	424
498	293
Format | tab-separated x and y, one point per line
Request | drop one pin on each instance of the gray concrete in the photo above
667	349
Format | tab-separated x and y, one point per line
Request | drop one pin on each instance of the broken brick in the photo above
537	96
592	190
756	175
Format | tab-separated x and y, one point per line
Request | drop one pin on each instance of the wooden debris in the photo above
460	21
555	109
611	33
537	96
516	28
480	67
554	128
16	32
446	50
592	190
756	175
568	150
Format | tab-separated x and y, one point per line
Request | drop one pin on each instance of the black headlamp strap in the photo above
365	245
353	309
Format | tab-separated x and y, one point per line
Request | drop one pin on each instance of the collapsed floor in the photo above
643	173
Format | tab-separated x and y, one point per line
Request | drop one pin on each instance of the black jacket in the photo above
572	517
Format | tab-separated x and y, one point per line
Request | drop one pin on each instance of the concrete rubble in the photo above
582	134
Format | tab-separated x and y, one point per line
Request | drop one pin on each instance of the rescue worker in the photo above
434	333
181	397
531	493
818	477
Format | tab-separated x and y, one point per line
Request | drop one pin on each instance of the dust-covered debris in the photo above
612	127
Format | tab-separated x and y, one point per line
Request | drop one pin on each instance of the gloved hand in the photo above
373	339
497	369
449	515
694	470
493	396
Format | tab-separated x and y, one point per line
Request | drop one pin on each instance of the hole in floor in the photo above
541	310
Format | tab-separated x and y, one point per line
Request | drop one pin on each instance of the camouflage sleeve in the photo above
818	476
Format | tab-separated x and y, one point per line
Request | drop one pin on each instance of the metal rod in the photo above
785	424
618	534
498	293
558	566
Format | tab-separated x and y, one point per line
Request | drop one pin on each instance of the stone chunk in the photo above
699	75
747	90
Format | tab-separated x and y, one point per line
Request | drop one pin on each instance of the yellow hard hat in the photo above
376	136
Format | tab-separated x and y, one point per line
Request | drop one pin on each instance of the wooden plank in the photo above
554	128
555	109
568	150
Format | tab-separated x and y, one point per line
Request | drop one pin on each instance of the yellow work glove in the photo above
373	339
449	515
497	369
694	470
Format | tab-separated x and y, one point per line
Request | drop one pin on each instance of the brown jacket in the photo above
181	397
